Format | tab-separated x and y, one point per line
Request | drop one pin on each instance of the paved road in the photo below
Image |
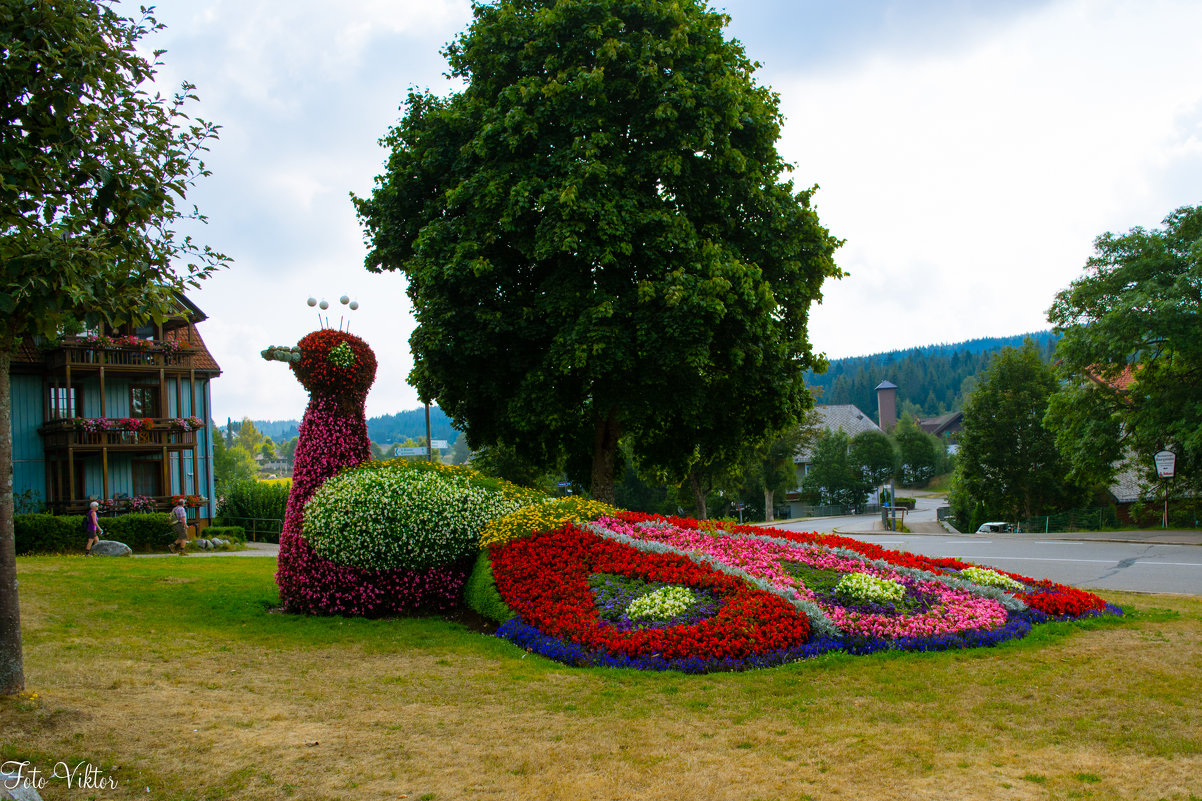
1137	561
1136	567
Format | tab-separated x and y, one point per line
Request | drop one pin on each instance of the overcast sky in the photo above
968	152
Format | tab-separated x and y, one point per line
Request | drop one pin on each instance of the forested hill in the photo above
389	428
931	380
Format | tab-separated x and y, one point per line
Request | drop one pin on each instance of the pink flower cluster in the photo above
333	435
951	609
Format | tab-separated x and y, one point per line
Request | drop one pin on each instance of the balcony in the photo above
124	504
120	433
121	353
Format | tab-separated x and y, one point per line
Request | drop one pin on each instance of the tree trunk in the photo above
12	672
605	448
702	513
769	516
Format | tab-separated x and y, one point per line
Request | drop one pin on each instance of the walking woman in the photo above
179	521
92	527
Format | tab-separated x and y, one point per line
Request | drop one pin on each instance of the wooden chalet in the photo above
116	416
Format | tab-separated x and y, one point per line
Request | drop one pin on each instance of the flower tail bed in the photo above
616	592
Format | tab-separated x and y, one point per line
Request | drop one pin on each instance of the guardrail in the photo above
258	529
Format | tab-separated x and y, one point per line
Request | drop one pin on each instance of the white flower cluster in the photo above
662	604
991	578
401	518
865	588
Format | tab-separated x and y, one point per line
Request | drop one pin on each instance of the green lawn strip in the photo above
1066	687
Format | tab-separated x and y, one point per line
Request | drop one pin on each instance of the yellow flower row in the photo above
544	516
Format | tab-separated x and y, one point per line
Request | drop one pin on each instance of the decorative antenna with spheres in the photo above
324	304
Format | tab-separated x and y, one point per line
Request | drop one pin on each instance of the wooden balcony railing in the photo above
112	432
120	506
123	358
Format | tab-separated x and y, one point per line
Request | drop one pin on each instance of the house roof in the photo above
937	425
845	417
886	385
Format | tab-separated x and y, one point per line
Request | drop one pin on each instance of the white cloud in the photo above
972	183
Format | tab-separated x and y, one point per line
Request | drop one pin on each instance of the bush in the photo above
258	500
142	532
64	534
549	514
236	533
42	533
481	595
405	516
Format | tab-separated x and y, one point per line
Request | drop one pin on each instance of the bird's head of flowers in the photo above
336	364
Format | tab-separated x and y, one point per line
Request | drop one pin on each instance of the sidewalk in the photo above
252	549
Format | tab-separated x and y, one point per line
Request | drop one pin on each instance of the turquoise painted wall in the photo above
29	463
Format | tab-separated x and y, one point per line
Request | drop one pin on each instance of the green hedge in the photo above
236	533
480	592
63	533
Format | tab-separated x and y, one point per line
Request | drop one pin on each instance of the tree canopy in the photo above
1131	353
598	239
95	173
1008	467
833	477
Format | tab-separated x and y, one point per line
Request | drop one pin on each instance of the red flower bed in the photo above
544	579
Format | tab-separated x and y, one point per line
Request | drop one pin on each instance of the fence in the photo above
258	529
1095	519
833	510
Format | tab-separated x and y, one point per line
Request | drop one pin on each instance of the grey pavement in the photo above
252	549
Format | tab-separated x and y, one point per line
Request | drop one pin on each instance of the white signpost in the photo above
1166	467
418	451
440	444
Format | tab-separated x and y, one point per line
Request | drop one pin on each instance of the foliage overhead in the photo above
94	174
96	170
1131	353
1008	467
596	233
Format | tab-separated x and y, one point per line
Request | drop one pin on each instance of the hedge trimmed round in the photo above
398	516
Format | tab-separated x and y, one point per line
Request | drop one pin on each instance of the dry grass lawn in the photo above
176	679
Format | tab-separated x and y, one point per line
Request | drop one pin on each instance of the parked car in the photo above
996	528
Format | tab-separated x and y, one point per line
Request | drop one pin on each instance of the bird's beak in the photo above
281	353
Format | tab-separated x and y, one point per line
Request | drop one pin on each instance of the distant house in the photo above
117	416
847	418
945	426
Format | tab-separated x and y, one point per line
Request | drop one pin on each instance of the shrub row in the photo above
43	533
236	533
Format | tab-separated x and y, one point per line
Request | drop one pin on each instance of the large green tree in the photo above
833	478
1131	354
598	239
876	456
1008	467
95	170
918	453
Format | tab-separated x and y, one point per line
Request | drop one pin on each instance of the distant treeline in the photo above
931	380
389	428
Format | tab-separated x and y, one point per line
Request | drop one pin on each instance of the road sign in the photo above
418	451
440	444
1166	464
564	484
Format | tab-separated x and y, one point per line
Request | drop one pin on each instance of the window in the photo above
144	400
148	477
64	402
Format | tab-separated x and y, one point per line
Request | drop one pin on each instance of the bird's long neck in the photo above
331	437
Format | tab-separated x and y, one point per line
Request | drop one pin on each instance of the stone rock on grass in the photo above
17	793
110	548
